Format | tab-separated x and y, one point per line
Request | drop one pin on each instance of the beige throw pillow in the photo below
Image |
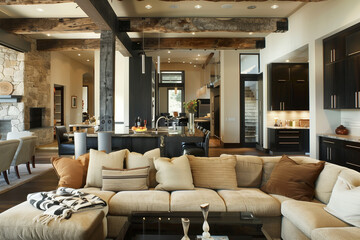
136	160
214	172
100	159
173	174
345	202
124	179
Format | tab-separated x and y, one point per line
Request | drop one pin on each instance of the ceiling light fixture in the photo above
194	65
79	54
143	53
198	54
251	33
275	6
196	59
88	60
148	7
190	62
198	6
193	33
48	34
183	61
251	7
169	51
287	60
39	9
158	58
168	61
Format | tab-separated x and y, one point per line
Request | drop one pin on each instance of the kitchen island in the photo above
168	140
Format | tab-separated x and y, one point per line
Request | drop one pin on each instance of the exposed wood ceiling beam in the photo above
203	24
15	42
67	44
48	25
200	43
30	2
208	59
239	0
102	14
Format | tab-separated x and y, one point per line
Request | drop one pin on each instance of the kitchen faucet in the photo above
157	123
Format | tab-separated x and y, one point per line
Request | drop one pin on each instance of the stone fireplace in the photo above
5	127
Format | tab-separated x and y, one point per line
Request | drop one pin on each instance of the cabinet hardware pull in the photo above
325	141
330	155
300	80
353	53
356	99
288	143
334	101
334	55
283	105
353	164
280	106
327	153
281	80
288	131
331	101
289	137
359	99
331	54
350	146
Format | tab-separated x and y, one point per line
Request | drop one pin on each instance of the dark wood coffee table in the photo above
167	225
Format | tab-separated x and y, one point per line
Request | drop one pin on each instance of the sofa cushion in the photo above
69	171
290	232
173	174
190	200
17	223
308	216
250	200
214	172
104	195
343	233
123	203
345	202
248	170
294	180
136	160
100	159
125	179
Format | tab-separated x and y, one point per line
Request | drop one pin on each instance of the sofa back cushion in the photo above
248	170
214	172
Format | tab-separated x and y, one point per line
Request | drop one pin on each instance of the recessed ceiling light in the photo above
193	33
88	60
39	9
183	61
148	7
198	54
190	62
173	6
251	33
169	51
169	59
194	65
196	59
48	34
226	6
275	6
198	6
79	54
287	60
251	7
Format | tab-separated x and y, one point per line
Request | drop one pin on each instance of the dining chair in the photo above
24	153
18	135
8	149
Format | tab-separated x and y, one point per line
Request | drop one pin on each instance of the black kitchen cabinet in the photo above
330	150
340	152
288	140
288	86
334	86
334	48
352	84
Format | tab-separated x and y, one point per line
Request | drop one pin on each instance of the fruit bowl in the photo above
139	129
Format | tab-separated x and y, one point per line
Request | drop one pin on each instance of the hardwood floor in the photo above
48	181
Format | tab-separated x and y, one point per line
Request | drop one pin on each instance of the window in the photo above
249	63
172	77
174	101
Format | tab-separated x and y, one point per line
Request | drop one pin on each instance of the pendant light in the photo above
175	90
143	55
158	57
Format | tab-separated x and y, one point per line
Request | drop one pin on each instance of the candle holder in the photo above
205	211
186	224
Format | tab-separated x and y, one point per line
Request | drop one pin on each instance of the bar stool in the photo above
80	143
104	141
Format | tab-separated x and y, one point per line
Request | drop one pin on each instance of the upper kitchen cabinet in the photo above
342	69
288	86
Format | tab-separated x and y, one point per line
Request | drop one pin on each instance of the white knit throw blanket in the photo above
61	203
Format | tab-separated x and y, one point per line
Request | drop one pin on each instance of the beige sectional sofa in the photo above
282	217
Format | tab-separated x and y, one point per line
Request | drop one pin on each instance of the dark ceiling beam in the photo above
31	2
204	24
102	14
48	25
238	0
199	43
67	44
14	42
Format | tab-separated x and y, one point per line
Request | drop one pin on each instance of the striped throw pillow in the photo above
124	179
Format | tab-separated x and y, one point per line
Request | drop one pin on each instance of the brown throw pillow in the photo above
124	179
84	160
294	180
213	172
69	171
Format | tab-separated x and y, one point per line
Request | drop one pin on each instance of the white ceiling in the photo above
133	8
86	57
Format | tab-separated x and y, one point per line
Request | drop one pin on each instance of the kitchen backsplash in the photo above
351	120
286	115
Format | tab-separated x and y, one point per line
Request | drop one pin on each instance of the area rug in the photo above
24	176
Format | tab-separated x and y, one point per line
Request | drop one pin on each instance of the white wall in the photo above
121	88
97	83
308	26
68	73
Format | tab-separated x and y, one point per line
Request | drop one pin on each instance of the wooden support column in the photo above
107	79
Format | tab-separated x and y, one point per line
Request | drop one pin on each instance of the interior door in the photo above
217	116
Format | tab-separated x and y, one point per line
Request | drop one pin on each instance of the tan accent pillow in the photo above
173	174
136	160
84	160
69	171
294	180
100	159
214	172
124	179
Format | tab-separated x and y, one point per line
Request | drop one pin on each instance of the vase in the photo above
191	127
206	228
341	130
185	223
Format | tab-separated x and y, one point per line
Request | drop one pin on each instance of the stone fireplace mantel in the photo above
10	98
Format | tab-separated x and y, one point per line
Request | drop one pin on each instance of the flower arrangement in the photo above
190	106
